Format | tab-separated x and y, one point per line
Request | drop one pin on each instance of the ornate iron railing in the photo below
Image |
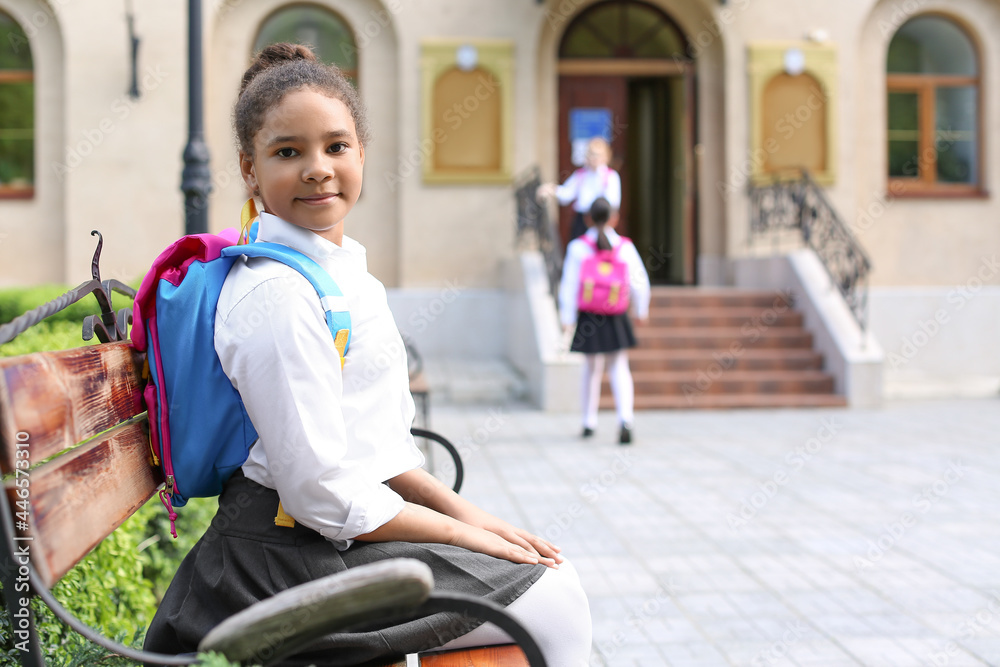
108	326
534	216
799	203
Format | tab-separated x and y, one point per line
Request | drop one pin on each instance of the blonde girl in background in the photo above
595	179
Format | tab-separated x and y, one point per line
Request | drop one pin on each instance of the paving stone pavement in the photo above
768	537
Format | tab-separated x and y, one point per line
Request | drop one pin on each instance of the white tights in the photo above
621	386
556	613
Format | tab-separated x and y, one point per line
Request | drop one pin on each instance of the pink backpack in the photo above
604	281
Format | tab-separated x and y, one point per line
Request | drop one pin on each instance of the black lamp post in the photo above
196	179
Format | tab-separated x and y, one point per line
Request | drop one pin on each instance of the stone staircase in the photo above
725	348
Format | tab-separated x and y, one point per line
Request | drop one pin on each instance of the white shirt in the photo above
328	437
577	251
585	185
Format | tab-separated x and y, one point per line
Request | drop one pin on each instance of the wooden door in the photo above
593	92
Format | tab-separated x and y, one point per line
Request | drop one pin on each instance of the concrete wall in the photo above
453	322
939	341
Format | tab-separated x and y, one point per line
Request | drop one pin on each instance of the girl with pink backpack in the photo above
603	276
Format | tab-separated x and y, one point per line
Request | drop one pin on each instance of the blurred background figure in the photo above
595	179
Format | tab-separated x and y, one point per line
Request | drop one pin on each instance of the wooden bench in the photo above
76	457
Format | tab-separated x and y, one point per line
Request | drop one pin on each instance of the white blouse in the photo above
585	185
569	286
328	437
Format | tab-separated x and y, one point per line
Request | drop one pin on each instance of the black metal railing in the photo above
109	326
533	216
799	203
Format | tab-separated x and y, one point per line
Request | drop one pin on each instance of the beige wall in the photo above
911	241
462	232
923	241
423	236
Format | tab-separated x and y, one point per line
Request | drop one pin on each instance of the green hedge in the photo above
117	587
16	301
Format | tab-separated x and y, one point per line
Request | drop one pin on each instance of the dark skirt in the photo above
597	334
244	558
577	227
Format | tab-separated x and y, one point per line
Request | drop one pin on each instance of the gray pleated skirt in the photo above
244	558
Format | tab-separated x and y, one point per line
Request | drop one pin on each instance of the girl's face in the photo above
307	163
597	154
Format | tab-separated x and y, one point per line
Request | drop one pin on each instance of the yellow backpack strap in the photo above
247	216
283	519
340	342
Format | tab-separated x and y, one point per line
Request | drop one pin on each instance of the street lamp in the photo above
196	179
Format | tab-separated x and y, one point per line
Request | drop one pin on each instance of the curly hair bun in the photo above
276	54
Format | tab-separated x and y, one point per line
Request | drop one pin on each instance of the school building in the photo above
712	107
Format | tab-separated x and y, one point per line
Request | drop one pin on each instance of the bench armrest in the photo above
398	589
286	623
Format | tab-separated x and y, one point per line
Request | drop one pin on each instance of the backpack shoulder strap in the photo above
332	299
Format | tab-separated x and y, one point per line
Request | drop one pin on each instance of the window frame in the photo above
351	74
584	21
925	86
20	76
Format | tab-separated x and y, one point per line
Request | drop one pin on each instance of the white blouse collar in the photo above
610	233
274	229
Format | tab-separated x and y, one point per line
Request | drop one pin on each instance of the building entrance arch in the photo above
625	74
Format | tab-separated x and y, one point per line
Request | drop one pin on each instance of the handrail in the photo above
534	216
799	203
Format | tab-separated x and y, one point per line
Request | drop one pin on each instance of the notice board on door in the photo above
585	123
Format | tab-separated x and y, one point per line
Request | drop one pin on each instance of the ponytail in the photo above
603	243
600	213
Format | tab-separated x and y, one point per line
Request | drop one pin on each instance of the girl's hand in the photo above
545	550
545	190
487	542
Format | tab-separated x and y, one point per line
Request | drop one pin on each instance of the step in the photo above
728	401
748	359
723	338
710	297
687	383
735	316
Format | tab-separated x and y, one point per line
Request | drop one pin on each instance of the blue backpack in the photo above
200	432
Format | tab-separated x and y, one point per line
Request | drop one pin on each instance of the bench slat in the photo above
57	399
83	496
491	656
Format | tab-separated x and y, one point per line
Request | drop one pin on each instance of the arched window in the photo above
934	131
328	35
17	111
622	29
